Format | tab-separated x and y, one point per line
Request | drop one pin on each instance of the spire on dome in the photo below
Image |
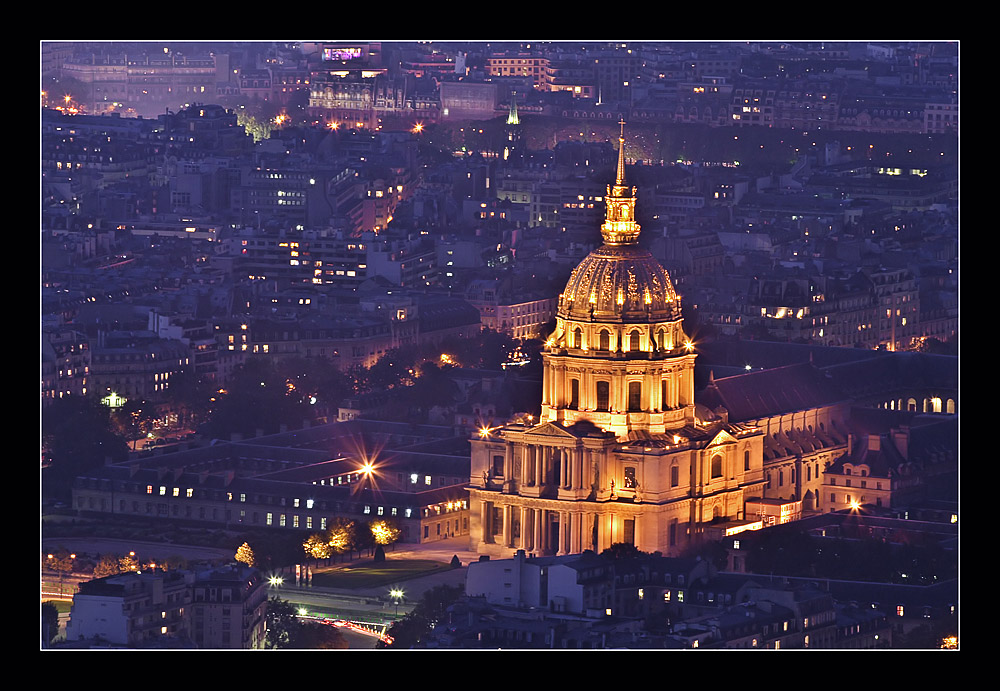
619	227
620	176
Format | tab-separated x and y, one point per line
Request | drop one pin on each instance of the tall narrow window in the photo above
746	460
603	396
574	393
634	396
664	402
605	340
633	342
577	338
716	466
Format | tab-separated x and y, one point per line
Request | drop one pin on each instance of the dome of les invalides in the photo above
619	282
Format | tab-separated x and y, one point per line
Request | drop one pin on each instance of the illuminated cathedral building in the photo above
621	453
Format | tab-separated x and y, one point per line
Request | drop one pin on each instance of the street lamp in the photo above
396	594
62	564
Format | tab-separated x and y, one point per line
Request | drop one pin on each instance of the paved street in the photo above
143	550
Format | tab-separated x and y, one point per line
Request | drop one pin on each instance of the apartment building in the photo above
133	609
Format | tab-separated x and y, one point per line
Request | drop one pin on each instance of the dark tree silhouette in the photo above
77	435
432	607
282	624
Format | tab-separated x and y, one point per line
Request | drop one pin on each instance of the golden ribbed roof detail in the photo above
620	281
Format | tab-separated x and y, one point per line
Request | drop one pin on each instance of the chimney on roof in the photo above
900	439
874	442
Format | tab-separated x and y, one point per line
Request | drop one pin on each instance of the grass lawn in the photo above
371	574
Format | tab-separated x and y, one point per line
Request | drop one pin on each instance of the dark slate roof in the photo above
933	439
765	393
439	313
801	441
355	493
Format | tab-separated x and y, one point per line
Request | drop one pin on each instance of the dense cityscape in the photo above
499	345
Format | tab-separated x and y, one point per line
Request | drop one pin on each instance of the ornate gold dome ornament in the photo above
619	227
619	281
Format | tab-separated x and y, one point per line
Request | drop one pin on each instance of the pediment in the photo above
723	437
550	429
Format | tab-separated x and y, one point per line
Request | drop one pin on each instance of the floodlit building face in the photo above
132	609
621	452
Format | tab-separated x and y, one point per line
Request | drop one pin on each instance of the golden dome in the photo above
619	283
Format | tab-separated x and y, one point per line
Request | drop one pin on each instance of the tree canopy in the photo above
259	397
408	631
77	435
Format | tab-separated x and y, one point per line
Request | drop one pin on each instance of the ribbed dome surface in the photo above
622	283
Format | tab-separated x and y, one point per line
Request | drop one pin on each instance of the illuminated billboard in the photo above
341	53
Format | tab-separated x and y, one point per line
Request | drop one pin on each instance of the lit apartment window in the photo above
163	491
190	492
